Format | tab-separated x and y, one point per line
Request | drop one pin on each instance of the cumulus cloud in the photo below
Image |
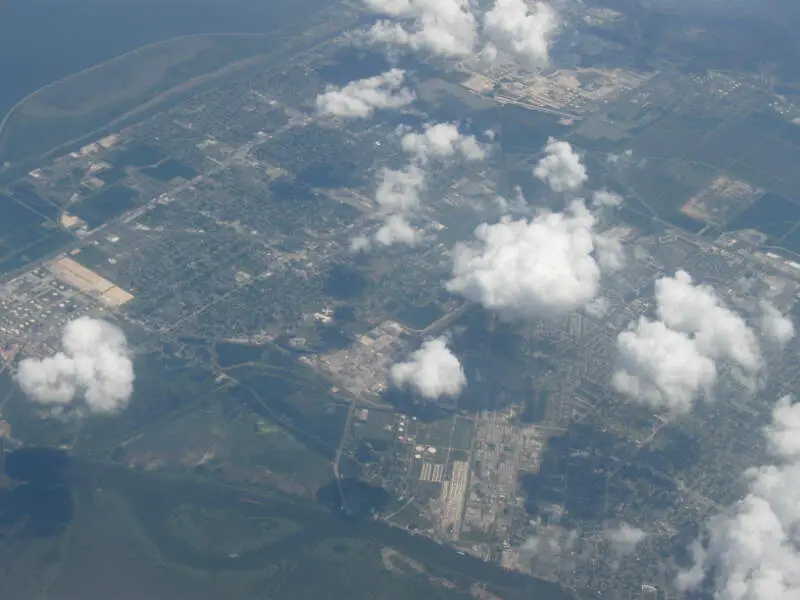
543	267
669	362
751	552
775	325
517	205
561	167
441	27
510	29
606	198
551	543
661	367
398	197
697	310
432	371
442	140
397	230
94	366
597	308
609	251
360	243
360	99
620	159
624	539
554	551
399	190
520	31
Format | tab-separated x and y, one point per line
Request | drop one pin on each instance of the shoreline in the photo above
52	84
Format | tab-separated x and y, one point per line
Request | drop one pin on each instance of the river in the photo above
153	496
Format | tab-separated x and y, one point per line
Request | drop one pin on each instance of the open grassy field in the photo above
73	107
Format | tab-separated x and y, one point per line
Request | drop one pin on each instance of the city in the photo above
245	219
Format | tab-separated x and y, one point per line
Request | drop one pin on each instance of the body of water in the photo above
153	497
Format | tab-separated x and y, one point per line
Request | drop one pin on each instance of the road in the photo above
340	450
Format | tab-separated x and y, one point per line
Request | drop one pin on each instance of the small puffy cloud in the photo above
698	311
399	190
510	29
397	199
543	267
606	198
554	550
597	308
517	205
552	544
93	366
432	371
399	194
521	31
397	230
440	27
775	325
442	140
669	362
360	243
751	552
624	539
360	99
616	159
661	367
561	167
609	251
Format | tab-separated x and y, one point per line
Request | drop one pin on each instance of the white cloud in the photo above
399	194
441	27
442	140
609	251
751	552
432	371
624	158
669	362
661	367
554	550
624	538
360	243
521	31
551	542
397	199
717	330
606	198
397	230
597	308
399	190
561	167
511	29
544	267
518	205
775	325
94	365
360	99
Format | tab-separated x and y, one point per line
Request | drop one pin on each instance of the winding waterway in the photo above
153	497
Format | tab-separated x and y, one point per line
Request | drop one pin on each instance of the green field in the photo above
462	436
73	107
679	155
170	543
275	427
